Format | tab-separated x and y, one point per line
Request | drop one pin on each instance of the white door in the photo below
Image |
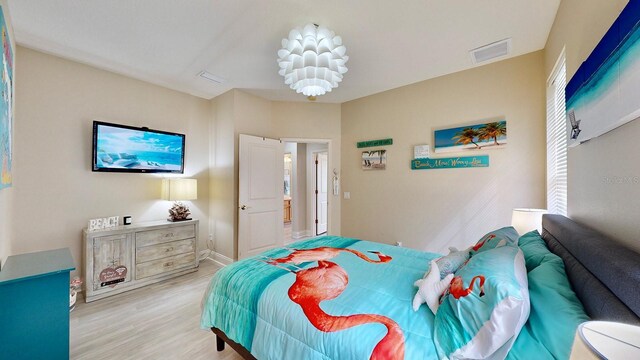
321	191
260	195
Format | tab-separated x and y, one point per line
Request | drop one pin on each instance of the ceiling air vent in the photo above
209	76
491	51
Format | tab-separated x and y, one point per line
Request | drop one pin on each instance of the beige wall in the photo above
434	209
55	192
222	170
604	179
237	112
299	203
6	195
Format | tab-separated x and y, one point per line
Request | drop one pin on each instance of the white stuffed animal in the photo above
430	288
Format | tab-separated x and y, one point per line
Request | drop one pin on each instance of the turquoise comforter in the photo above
340	298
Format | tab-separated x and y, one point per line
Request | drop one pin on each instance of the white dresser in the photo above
128	257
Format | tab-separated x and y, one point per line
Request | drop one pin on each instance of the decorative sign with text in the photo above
372	143
421	152
103	223
451	163
112	276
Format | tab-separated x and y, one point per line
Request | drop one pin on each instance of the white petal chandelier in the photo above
312	60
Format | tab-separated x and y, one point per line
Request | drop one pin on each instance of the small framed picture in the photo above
421	152
374	160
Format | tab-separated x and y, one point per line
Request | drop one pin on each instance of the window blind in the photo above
557	135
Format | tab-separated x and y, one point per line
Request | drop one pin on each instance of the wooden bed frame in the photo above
604	274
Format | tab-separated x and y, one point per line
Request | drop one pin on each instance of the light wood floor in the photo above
160	321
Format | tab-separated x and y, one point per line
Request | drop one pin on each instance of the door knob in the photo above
244	207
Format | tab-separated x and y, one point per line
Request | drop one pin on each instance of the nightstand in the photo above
606	340
34	305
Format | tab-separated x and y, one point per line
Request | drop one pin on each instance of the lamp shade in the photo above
312	60
525	220
179	189
606	340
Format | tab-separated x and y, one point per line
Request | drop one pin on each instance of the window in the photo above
557	140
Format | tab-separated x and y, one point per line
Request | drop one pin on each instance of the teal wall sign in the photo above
372	143
451	163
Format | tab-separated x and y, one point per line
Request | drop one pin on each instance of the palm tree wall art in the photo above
374	160
491	135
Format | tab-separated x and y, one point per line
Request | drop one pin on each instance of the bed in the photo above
334	297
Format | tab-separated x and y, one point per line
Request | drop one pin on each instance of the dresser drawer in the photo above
160	266
160	251
151	237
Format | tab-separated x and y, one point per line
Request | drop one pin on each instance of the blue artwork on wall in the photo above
492	135
6	104
603	93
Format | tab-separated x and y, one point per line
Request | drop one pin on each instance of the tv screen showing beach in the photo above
121	148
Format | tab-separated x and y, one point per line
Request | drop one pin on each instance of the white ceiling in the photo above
168	42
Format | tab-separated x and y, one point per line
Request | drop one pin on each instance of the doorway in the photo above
321	207
306	187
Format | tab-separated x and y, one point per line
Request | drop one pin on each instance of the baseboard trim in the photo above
300	234
220	259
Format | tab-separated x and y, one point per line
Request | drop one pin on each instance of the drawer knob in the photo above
169	249
167	264
168	235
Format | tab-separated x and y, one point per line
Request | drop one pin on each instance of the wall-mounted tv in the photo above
121	148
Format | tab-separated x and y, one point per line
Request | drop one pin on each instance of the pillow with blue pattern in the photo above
449	264
507	236
485	307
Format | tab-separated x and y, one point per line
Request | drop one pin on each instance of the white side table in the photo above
606	340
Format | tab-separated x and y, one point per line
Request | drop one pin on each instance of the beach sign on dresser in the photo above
103	223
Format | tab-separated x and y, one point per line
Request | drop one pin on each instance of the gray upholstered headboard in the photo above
604	274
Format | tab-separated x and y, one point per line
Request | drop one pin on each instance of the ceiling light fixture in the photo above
312	60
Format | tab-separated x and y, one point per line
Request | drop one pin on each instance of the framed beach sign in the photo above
492	135
374	160
6	104
603	93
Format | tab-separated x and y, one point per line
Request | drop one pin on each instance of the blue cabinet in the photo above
34	305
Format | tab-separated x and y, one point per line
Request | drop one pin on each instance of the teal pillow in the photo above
556	311
507	236
535	250
485	307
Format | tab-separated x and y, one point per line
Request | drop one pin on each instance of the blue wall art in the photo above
492	135
6	104
603	93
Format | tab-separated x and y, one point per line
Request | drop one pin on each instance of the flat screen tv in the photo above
121	148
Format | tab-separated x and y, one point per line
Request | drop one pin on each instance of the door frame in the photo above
315	211
330	167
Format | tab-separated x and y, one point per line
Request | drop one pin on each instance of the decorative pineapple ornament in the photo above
179	212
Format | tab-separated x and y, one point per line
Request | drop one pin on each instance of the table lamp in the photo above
606	340
179	190
525	220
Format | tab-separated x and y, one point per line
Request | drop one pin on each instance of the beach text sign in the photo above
103	223
451	163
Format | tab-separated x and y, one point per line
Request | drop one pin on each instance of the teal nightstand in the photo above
34	305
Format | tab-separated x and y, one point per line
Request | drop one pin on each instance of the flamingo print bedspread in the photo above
324	298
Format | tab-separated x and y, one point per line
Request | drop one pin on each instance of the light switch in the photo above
347	195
